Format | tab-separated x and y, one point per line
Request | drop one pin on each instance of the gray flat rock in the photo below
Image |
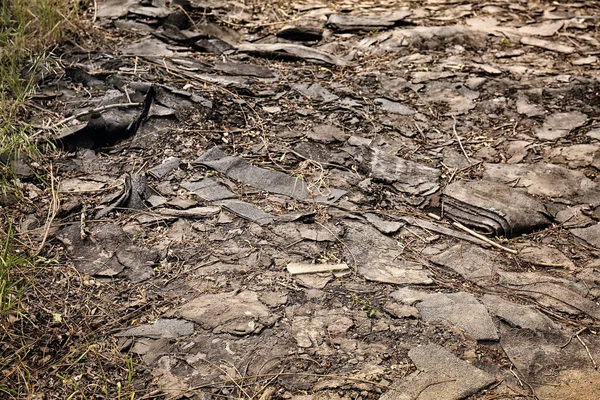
520	316
441	376
590	234
405	175
163	328
382	225
559	125
108	252
247	210
542	179
540	356
461	309
396	274
393	106
208	189
164	168
550	291
470	261
234	313
546	256
408	296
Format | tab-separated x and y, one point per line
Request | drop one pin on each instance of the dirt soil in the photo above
326	200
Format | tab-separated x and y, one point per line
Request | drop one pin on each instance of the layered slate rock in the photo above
550	291
234	313
520	316
471	262
461	309
163	328
399	274
108	252
541	179
406	176
494	208
440	376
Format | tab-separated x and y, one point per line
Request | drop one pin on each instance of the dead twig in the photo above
572	336
52	212
481	237
459	141
588	352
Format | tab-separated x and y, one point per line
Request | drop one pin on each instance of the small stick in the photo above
572	336
459	142
436	217
516	376
481	237
588	352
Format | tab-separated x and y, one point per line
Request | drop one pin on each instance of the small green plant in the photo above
11	262
366	306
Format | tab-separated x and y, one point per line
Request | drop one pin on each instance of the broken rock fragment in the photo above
542	179
470	261
494	208
441	376
461	309
108	252
366	23
398	274
163	328
234	313
559	125
406	176
272	181
518	315
291	52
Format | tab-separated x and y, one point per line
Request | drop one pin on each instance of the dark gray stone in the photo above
441	376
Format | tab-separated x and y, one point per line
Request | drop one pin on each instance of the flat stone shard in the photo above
163	328
312	331
520	316
546	256
590	234
494	208
366	23
234	313
383	226
405	175
108	252
559	125
441	376
396	274
247	210
208	189
470	261
461	309
541	179
550	291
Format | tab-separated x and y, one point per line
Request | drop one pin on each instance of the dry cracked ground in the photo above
334	200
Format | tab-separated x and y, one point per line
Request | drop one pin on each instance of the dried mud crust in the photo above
340	129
